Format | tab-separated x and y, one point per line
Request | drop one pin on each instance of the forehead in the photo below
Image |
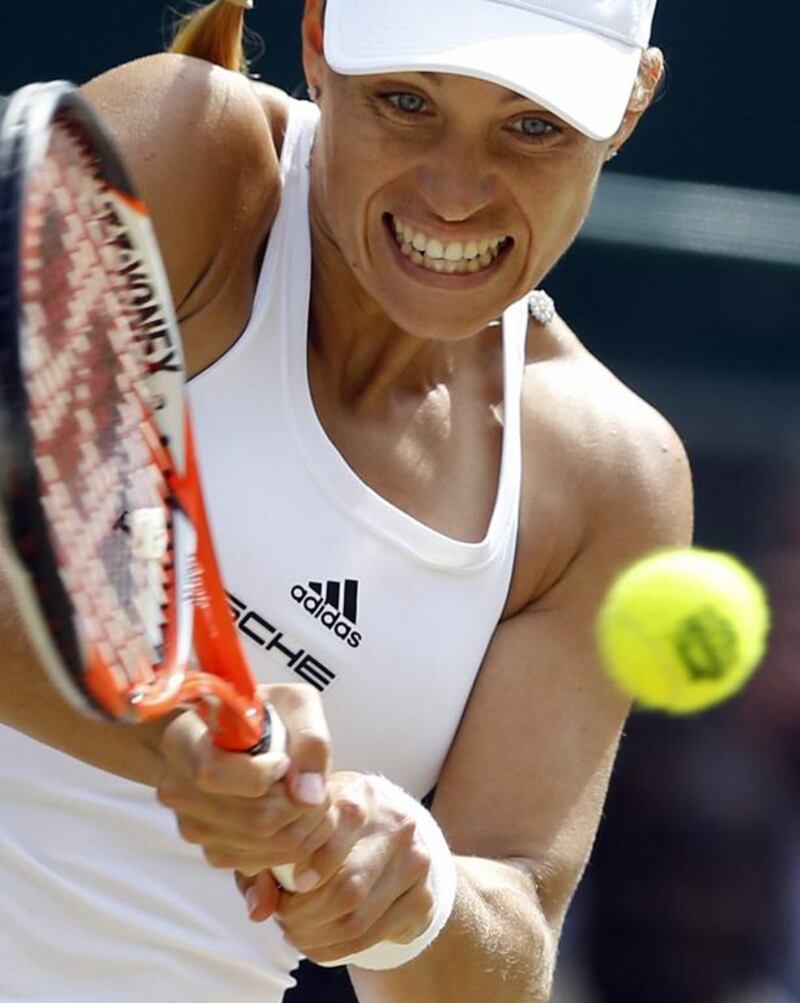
436	82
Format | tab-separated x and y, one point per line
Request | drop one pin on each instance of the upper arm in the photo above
198	144
528	771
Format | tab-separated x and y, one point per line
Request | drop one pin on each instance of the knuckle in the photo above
317	838
167	794
353	925
418	863
406	829
352	892
426	904
293	696
309	741
351	811
403	833
254	784
191	830
218	858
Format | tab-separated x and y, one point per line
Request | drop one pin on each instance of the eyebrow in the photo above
509	98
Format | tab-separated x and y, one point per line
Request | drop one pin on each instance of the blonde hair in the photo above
214	32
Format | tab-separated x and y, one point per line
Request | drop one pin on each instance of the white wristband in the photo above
442	877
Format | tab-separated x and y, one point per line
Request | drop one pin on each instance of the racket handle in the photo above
278	742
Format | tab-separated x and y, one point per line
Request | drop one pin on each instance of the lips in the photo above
447	258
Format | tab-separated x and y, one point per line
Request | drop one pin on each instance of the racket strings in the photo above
105	494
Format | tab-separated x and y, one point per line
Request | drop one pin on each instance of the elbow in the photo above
525	946
543	963
551	891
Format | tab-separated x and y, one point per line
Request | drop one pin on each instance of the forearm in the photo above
496	946
40	712
31	704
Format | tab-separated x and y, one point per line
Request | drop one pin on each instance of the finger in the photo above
405	919
291	845
398	907
261	893
259	817
319	865
249	835
371	880
300	709
347	890
190	752
238	774
179	740
298	842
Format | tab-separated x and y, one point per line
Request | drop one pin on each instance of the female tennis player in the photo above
421	484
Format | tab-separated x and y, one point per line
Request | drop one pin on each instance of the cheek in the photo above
348	177
561	198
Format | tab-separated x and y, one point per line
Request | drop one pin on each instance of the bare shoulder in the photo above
199	143
606	476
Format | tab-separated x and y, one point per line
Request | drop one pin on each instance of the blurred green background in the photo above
686	282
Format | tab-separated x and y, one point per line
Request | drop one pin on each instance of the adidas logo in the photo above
272	639
334	604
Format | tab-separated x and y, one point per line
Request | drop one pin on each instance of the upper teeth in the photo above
456	256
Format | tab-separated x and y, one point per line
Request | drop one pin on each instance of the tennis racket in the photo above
101	505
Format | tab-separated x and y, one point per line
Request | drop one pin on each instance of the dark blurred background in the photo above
685	282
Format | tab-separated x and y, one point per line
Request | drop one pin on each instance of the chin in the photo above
442	321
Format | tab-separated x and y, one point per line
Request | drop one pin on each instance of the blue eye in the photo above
409	104
535	127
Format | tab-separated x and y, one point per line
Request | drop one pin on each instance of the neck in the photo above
363	358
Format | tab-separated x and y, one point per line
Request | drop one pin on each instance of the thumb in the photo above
300	709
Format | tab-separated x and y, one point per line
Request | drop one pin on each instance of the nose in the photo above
455	178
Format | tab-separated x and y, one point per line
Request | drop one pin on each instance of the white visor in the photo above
577	58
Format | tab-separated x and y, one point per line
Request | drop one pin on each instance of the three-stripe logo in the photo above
345	599
334	604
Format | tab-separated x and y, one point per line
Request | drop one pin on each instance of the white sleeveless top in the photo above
100	901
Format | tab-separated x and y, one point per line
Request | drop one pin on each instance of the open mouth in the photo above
452	258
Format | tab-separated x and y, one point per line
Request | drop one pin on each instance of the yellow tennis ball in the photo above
683	629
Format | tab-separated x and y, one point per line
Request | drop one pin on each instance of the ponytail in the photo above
215	33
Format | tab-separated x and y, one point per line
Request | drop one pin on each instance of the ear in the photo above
651	72
312	34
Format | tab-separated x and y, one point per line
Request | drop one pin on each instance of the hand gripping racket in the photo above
101	505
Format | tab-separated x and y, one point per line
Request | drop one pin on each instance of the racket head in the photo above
92	419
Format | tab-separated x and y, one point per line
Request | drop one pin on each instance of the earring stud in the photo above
541	306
